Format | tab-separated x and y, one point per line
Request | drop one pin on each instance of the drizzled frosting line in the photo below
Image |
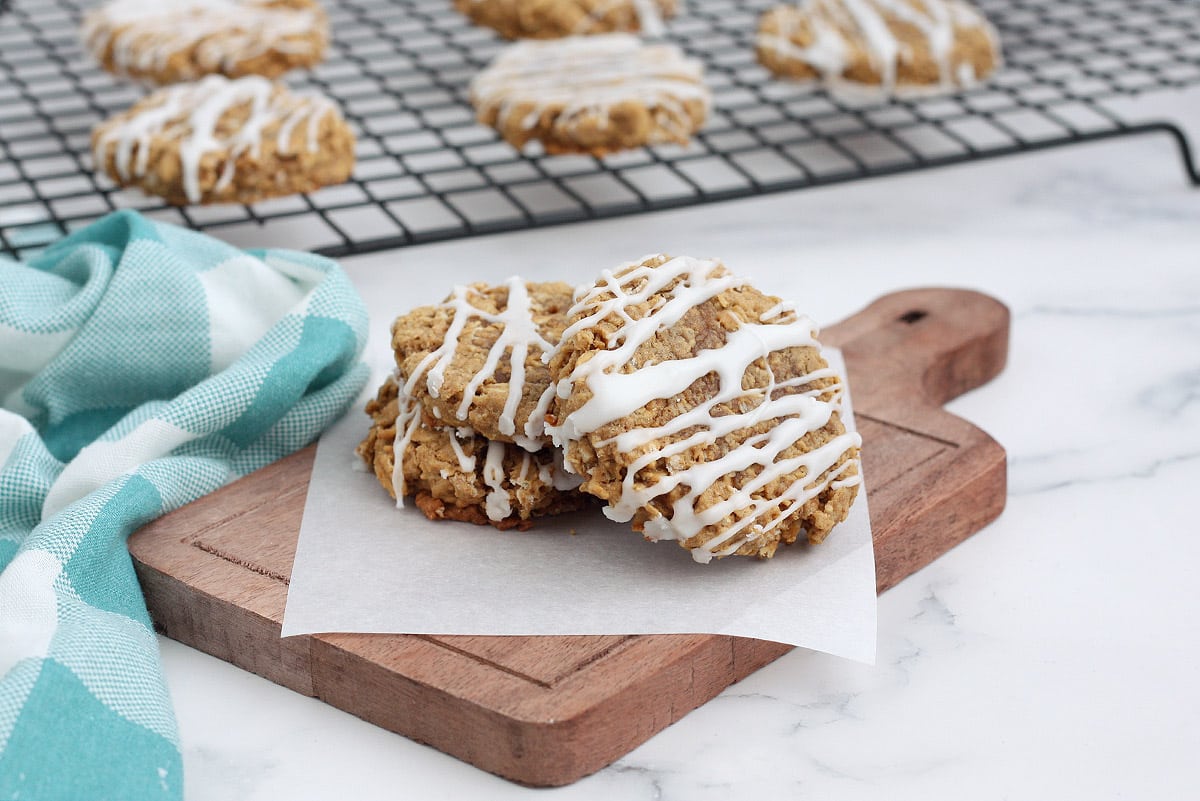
144	34
832	23
583	77
502	493
649	14
518	335
616	388
192	113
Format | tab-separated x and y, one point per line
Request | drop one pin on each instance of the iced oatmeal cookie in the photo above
456	474
550	19
889	45
182	40
221	140
592	94
478	358
701	409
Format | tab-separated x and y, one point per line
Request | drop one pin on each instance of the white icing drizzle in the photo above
535	426
832	24
649	14
144	34
408	420
466	462
882	46
557	474
827	52
283	142
519	333
191	114
586	76
498	503
650	21
781	308
614	394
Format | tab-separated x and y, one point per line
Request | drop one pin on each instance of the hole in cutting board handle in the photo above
913	316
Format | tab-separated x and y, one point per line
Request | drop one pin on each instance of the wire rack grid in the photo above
427	171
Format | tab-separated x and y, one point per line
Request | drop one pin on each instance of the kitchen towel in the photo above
141	366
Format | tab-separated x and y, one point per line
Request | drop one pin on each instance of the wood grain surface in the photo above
550	710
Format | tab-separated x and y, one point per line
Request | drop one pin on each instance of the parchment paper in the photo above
362	565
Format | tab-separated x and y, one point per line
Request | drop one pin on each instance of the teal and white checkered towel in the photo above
141	366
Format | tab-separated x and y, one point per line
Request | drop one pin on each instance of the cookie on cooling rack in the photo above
702	410
478	358
592	94
892	45
456	474
181	40
550	19
221	140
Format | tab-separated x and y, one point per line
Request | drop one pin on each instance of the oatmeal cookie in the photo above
181	40
702	410
550	19
592	94
476	359
455	474
915	45
221	140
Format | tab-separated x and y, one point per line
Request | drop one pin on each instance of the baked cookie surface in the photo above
167	41
220	140
702	410
919	45
592	94
550	19
476	359
455	474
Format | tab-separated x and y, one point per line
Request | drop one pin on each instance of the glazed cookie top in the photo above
883	33
477	359
213	121
711	397
517	19
145	38
582	76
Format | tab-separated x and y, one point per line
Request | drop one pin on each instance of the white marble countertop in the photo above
1053	655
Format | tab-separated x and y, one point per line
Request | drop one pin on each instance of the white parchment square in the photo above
362	565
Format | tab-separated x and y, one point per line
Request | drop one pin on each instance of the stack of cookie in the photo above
461	424
221	130
694	406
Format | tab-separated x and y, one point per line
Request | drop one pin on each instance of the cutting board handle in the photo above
935	343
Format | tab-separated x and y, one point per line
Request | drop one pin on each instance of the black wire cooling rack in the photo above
426	171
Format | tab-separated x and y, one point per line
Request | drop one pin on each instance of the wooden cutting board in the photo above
550	710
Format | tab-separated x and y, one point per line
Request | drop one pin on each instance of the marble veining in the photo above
1053	655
